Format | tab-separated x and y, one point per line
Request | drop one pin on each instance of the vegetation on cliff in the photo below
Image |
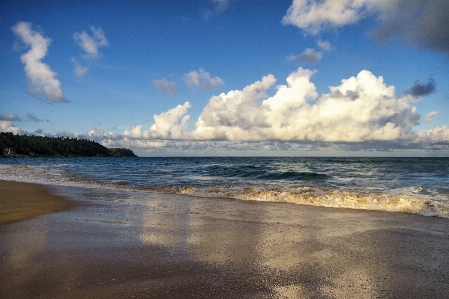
24	145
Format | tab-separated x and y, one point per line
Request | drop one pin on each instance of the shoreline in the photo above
21	201
119	244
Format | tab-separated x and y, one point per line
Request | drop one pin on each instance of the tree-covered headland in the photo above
23	145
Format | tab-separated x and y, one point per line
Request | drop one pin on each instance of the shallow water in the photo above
413	185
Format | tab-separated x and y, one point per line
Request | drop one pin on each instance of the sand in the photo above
19	201
134	245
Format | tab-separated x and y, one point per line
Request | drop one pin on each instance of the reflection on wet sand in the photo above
125	244
295	252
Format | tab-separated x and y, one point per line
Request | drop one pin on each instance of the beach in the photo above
117	244
19	201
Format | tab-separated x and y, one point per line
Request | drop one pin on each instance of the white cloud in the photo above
324	45
360	114
308	55
361	109
315	16
90	44
41	79
219	7
167	125
417	22
430	116
97	132
202	80
435	135
79	70
230	115
6	123
165	86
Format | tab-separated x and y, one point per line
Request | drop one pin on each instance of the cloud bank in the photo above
41	79
361	113
362	109
417	22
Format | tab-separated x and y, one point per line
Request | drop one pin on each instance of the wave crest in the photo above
427	205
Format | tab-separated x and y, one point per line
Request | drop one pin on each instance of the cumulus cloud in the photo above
219	6
362	108
361	113
430	116
438	135
308	55
167	125
41	79
90	44
419	90
6	123
315	16
165	86
417	22
202	80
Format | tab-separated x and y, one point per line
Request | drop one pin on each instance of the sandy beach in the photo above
117	244
19	201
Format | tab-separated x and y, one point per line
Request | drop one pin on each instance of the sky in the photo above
230	77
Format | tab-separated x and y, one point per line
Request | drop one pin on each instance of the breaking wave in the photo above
409	200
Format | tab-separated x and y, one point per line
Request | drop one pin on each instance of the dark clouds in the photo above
308	55
419	22
419	90
414	22
33	117
9	117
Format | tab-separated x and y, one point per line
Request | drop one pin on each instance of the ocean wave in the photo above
400	200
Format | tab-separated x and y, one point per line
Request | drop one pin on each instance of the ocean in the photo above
410	185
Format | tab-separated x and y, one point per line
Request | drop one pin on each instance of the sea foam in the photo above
426	205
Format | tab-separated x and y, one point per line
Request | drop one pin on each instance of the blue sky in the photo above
223	77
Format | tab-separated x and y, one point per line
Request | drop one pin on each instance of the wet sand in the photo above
134	245
19	201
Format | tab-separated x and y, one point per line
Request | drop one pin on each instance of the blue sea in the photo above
410	185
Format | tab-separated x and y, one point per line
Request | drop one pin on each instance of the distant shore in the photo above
21	201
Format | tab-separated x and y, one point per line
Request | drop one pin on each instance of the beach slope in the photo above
21	201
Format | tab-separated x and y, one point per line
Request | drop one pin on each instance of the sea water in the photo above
412	185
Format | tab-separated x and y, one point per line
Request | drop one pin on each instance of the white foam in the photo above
398	200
